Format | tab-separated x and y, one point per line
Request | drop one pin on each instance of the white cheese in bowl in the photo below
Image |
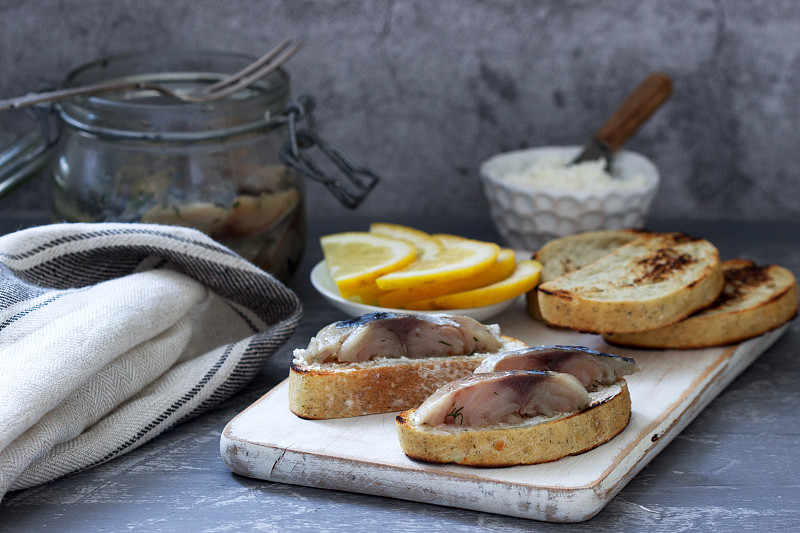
554	171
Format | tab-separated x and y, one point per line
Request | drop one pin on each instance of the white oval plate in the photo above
322	281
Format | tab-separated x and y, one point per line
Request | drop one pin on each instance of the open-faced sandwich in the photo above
525	406
383	362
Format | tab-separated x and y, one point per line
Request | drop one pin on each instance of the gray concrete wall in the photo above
423	91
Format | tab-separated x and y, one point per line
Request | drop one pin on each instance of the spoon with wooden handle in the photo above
629	116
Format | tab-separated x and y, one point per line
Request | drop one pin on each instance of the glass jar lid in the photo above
146	114
133	115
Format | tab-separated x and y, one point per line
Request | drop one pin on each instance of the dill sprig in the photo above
456	413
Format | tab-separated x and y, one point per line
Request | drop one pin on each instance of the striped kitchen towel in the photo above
112	333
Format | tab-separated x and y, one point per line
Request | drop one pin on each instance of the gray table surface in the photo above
735	467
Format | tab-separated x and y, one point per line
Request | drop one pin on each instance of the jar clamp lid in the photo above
360	181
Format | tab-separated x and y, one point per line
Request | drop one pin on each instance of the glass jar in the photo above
138	156
231	168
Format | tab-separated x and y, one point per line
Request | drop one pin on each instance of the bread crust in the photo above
581	300
742	314
342	390
542	442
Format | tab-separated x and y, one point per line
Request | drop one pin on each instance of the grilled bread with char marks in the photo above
651	282
754	300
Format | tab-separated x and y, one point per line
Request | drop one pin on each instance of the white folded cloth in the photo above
112	333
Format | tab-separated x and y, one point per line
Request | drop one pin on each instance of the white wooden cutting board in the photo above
267	441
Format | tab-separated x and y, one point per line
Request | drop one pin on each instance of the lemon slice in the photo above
503	266
447	240
524	278
356	259
368	295
459	261
426	245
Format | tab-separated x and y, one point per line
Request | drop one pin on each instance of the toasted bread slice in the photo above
563	255
537	439
755	299
384	385
651	282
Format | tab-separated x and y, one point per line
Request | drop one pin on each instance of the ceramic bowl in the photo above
528	216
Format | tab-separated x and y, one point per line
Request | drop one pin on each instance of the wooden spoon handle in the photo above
635	110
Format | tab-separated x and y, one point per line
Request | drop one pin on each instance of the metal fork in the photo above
245	77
